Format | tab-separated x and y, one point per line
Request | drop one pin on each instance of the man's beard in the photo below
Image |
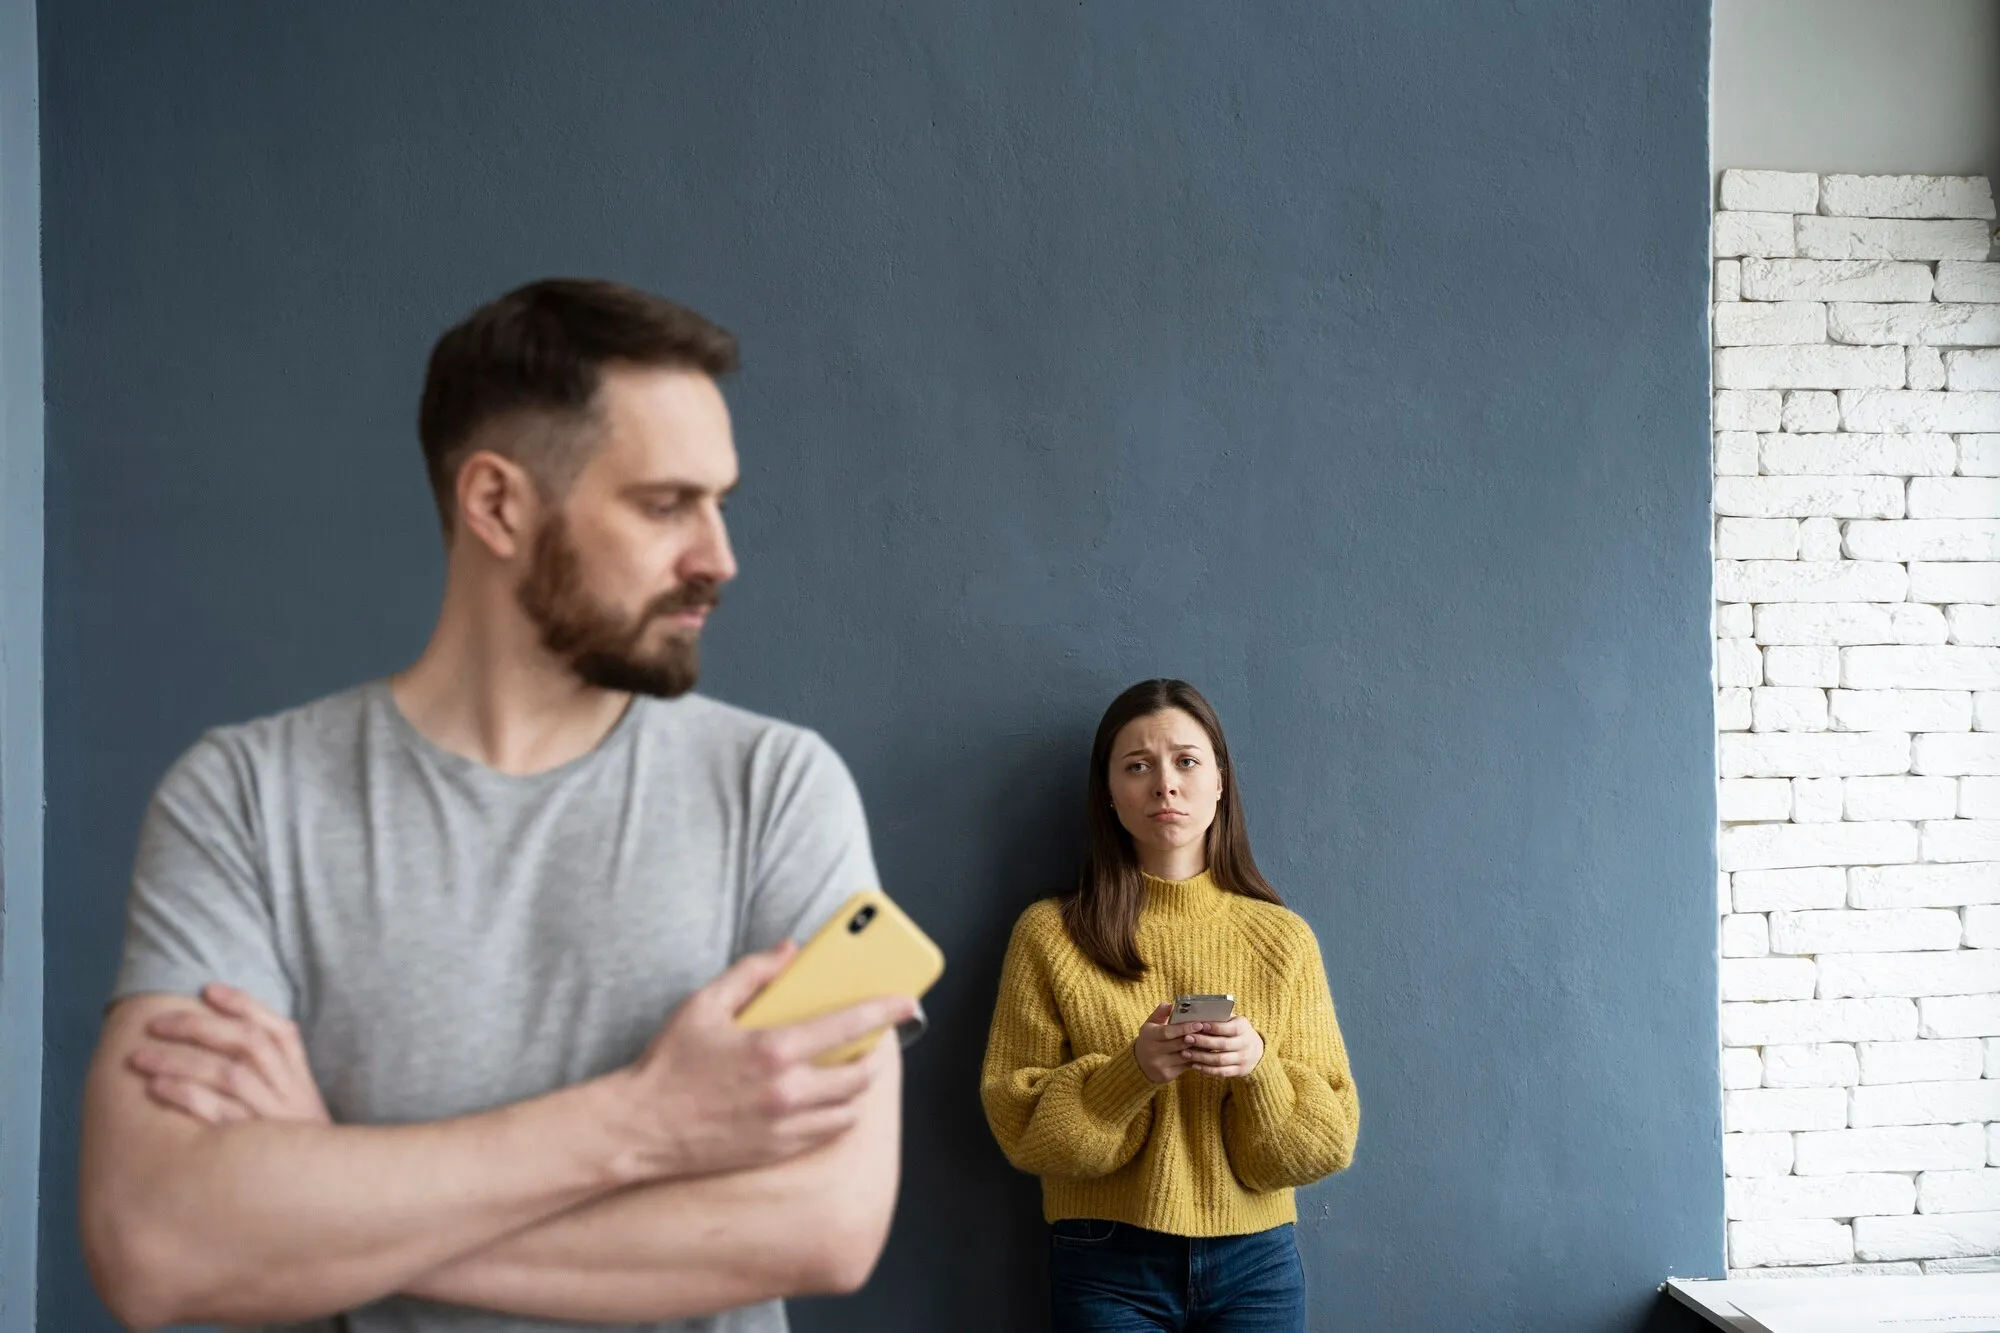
599	645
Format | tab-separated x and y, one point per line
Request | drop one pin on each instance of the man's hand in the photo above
709	1096
1225	1050
233	1059
1161	1048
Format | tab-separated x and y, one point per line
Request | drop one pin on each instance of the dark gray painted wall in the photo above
1348	360
20	665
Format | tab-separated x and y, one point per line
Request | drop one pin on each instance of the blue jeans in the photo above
1111	1277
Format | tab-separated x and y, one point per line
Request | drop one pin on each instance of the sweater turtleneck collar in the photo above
1196	897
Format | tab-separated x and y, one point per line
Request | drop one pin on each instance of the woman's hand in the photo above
1226	1050
1161	1048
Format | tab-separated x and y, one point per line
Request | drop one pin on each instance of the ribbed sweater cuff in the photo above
1266	1093
1117	1090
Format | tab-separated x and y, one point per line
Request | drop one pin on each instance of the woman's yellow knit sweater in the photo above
1200	1156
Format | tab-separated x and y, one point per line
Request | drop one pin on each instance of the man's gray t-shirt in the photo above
450	938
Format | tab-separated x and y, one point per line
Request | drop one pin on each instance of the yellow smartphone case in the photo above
866	950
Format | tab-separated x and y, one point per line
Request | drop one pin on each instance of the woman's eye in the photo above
1188	761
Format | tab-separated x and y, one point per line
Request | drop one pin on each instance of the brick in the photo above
1807	497
1871	324
1728	284
1756	1154
1956	754
1770	191
1958	841
1786	665
1810	580
1767	234
1852	931
1900	1148
1986	710
1809	366
1722	907
1820	1065
1785	708
1816	800
1957	281
1972	625
1956	1103
1783	846
1819	539
1960	1015
1845	624
1735	453
1756	539
1914	410
1905	196
1849	280
1900	798
1828	755
1919	885
1991	1046
1942	972
1840	454
1737	409
1741	1068
1745	935
1955	582
1982	928
1790	890
1738	664
1958	1191
1979	798
1951	1266
1765	800
1755	979
1776	1197
1950	497
1732	709
1919	1236
1919	1061
1866	238
1925	369
1979	455
1992	1145
1755	1244
1900	710
1931	667
1977	369
1764	1110
1777	1022
1910	1269
1810	410
1735	620
1770	323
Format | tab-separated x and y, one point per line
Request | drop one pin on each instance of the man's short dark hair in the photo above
540	351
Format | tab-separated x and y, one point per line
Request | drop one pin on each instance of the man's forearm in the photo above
690	1247
265	1220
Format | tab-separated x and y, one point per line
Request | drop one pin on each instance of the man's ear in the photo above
497	502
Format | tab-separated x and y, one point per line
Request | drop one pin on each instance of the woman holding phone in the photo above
1168	1152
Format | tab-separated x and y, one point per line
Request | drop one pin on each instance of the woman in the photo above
1168	1152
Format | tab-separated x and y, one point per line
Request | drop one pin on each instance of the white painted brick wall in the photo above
1857	574
1955	582
1920	1061
1823	1065
1770	191
1845	280
1839	453
1808	410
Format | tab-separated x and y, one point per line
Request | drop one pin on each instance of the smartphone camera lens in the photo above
860	920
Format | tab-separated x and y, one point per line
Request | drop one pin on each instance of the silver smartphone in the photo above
1204	1008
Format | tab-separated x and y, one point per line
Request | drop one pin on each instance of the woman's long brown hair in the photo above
1102	912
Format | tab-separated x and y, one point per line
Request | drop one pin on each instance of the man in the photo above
425	1016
